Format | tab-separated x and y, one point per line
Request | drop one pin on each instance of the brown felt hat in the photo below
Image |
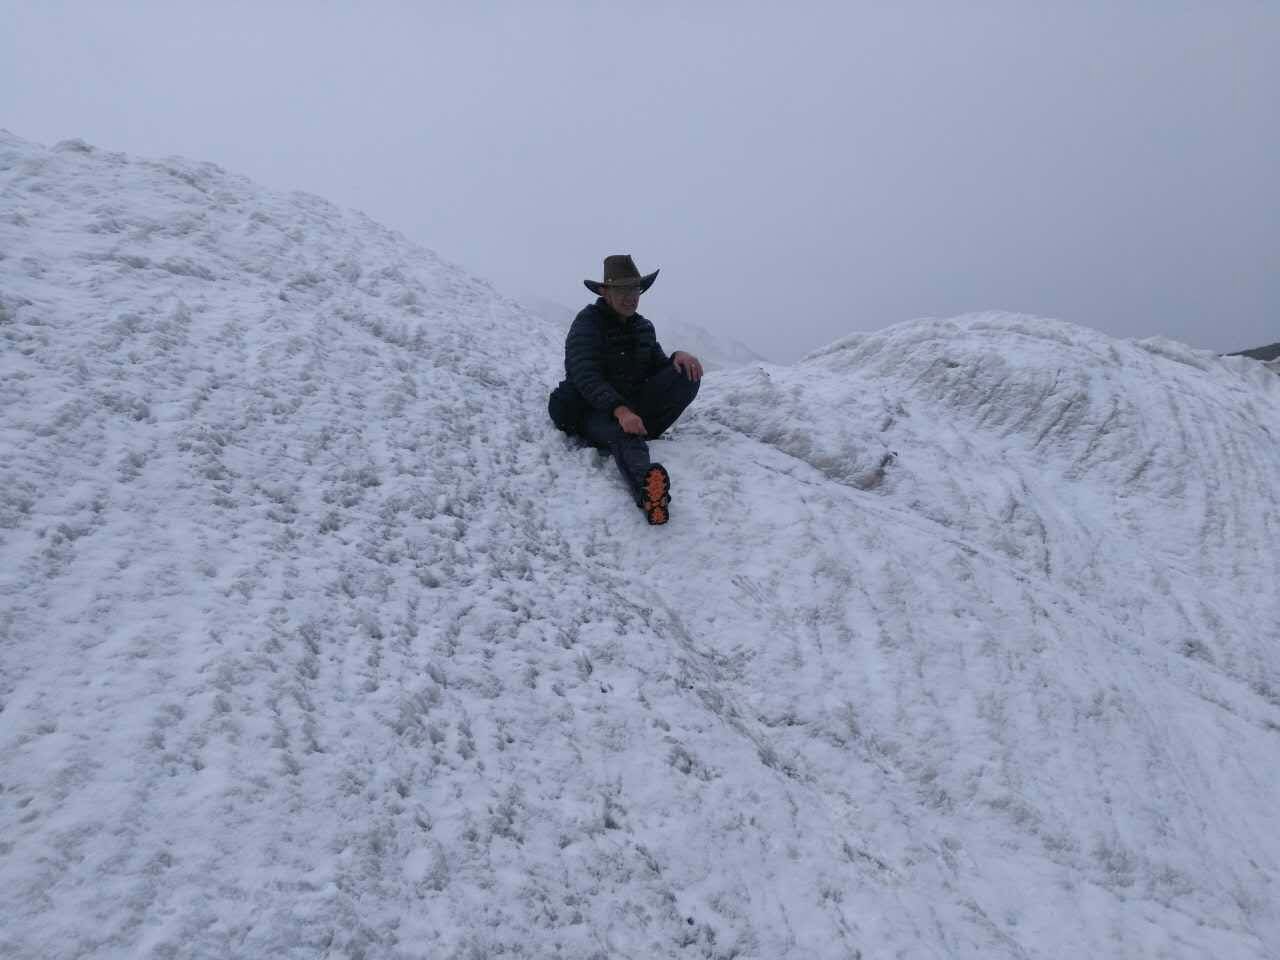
620	271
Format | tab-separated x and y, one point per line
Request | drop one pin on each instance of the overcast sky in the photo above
798	171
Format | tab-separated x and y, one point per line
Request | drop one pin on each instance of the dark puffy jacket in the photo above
606	359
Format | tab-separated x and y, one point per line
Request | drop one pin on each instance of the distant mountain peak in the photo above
1265	354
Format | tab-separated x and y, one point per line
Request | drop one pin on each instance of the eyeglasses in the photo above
625	291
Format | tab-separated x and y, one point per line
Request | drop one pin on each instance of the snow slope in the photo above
317	641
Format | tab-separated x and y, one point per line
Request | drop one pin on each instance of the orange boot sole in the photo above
655	494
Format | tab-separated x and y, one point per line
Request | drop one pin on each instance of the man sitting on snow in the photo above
620	388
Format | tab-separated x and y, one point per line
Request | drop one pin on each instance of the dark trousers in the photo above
661	400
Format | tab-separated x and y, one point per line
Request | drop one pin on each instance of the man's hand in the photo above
687	364
629	420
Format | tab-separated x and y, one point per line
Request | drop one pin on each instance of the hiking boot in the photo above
655	494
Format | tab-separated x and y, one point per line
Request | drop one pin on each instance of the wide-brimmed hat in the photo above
620	271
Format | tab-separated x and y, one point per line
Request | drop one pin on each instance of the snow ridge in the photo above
316	640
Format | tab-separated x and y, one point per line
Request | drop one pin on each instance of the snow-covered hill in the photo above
317	641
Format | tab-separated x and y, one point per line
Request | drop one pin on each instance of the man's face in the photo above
624	300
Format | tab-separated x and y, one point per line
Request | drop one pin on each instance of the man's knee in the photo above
673	383
691	386
683	390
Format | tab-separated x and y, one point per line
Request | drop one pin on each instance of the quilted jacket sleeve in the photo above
583	348
660	357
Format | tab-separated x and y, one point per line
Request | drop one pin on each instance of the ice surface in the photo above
316	640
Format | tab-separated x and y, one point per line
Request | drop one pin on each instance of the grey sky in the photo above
799	171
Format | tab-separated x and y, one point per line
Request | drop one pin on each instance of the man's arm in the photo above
660	357
582	347
686	363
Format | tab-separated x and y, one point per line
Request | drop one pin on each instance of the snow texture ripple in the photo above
316	640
